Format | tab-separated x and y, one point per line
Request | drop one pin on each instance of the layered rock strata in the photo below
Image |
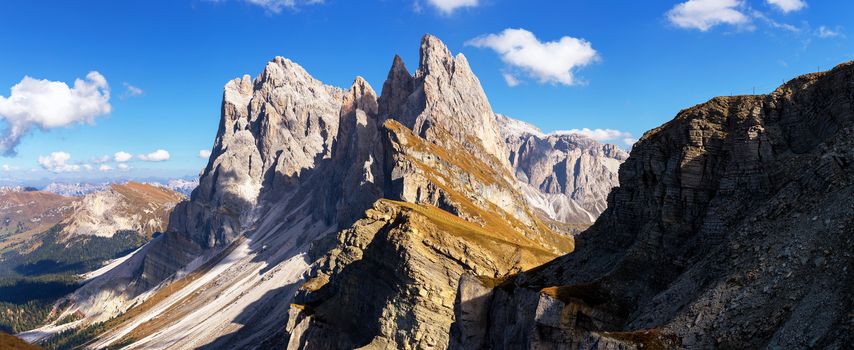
731	228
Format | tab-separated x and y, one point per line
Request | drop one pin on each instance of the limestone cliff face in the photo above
364	212
731	228
451	207
568	176
444	93
272	130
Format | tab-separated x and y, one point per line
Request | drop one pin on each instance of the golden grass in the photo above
501	224
489	237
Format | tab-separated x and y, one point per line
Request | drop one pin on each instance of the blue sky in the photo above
166	62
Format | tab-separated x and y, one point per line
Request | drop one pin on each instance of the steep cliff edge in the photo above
451	207
732	227
308	191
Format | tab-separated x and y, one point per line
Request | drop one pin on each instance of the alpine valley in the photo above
419	218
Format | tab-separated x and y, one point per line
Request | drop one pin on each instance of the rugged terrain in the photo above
330	218
731	228
309	189
66	240
566	175
24	213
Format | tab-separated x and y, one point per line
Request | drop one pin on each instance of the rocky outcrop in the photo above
443	93
30	216
273	130
347	217
567	176
391	279
452	207
731	228
130	206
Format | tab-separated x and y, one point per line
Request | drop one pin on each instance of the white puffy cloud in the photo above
204	154
705	14
87	167
547	62
50	104
276	6
824	32
156	156
123	167
122	156
57	162
603	135
788	5
449	6
8	168
132	91
105	168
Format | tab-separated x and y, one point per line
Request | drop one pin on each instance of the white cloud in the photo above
8	168
548	62
449	6
602	135
122	156
276	6
788	5
205	154
705	14
132	91
123	167
510	79
50	104
774	24
156	156
87	167
105	168
102	159
824	32
57	162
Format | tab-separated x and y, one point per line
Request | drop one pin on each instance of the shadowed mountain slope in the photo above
731	227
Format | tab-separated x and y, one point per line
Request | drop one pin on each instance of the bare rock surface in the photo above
731	228
130	206
330	218
568	176
443	93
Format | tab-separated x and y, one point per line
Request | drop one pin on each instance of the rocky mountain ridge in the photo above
568	176
296	161
731	228
122	207
330	218
25	213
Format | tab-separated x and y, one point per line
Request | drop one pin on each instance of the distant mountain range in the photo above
49	244
184	185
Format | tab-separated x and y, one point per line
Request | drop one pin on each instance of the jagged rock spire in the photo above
443	93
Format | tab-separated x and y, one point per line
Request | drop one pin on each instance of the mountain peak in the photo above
360	96
444	94
434	55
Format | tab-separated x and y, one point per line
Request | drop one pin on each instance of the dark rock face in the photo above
732	227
